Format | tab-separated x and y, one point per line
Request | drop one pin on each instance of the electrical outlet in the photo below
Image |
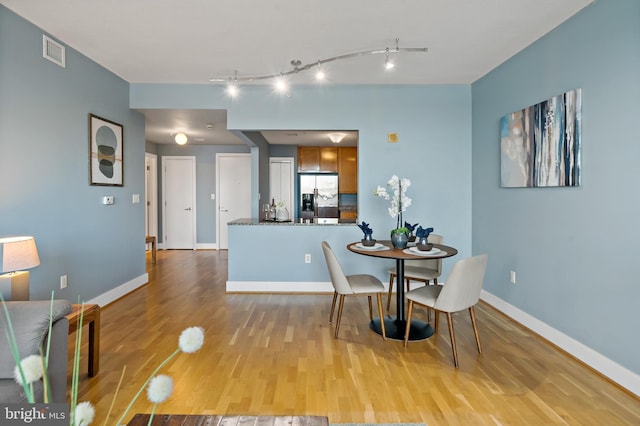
63	281
307	258
512	277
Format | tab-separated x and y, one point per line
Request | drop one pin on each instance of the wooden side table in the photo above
152	240
91	317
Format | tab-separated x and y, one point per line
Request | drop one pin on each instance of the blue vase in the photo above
399	240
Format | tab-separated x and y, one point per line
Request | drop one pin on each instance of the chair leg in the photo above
435	327
408	327
370	308
428	309
333	306
408	285
340	306
453	339
472	312
392	278
384	332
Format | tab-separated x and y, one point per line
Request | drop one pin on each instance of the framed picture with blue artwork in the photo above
540	145
106	158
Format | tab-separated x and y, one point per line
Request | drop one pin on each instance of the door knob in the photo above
224	210
188	209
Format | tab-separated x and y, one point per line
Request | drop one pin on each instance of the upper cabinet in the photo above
332	159
348	170
317	159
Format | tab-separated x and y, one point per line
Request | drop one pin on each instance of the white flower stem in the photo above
177	351
115	395
76	368
153	412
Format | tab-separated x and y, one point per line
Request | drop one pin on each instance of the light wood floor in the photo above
272	354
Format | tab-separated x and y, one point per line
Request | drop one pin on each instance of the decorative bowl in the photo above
368	243
424	247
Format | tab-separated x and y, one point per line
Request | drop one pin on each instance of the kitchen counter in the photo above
260	222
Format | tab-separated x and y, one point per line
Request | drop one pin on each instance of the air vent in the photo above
53	51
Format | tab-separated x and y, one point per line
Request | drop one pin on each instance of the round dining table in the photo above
395	326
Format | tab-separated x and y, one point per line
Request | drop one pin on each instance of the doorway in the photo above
179	207
233	179
151	195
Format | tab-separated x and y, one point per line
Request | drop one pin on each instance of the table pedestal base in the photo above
395	328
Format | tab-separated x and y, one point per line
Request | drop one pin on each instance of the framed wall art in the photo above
106	160
540	145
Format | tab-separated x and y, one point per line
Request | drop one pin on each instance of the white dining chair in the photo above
460	291
425	271
351	285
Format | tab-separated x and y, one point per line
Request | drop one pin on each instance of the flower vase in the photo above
399	240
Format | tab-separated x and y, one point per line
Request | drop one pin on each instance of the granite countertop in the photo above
260	222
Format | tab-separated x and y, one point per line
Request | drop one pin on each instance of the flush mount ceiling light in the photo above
336	137
181	138
298	66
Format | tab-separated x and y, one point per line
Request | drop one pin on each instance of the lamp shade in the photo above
18	253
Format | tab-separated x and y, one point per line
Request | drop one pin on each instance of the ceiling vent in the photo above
53	51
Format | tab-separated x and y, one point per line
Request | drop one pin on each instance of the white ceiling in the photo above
192	41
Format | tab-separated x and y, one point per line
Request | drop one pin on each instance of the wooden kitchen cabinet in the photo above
317	159
348	170
308	159
329	159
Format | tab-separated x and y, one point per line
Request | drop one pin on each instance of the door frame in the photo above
292	202
193	195
218	157
151	194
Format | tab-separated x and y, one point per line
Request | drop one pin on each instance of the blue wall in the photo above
205	184
434	151
44	170
574	249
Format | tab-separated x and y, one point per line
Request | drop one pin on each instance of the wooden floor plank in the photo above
274	354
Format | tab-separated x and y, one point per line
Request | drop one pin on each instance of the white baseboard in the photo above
208	246
278	287
614	371
203	246
121	290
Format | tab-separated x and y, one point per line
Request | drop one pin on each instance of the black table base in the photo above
395	328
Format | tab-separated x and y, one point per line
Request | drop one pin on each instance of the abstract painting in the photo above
540	145
105	152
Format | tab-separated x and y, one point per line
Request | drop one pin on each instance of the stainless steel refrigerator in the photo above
324	190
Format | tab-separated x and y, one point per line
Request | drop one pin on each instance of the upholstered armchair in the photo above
30	321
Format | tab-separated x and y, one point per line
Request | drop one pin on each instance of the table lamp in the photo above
16	254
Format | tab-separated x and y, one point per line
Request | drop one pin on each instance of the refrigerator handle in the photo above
315	202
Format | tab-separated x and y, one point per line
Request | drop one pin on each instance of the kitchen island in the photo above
267	256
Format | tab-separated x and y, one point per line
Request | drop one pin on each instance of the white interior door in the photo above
179	207
234	192
281	181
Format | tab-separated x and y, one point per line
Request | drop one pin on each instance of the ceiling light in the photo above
336	137
281	85
320	76
298	66
388	64
232	88
181	139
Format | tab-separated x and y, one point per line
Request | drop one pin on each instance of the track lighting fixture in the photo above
298	66
388	64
